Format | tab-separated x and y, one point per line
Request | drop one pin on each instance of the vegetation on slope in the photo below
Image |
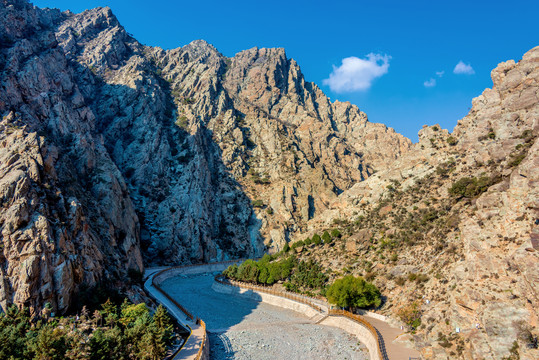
306	277
112	333
297	276
353	292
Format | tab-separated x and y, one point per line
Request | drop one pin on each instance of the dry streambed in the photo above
242	329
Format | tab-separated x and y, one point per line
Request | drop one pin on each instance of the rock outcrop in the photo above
219	153
173	156
66	217
456	221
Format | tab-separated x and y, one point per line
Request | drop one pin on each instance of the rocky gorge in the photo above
182	155
115	155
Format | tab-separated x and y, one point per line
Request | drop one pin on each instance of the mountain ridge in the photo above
116	154
185	154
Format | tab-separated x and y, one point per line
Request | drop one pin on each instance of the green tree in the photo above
231	271
14	324
248	271
109	312
410	314
326	237
316	239
309	274
150	346
164	323
49	343
353	292
132	312
107	345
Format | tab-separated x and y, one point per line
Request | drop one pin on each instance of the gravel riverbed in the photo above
244	329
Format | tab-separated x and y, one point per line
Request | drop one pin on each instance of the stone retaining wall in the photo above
363	334
360	331
267	298
191	270
157	279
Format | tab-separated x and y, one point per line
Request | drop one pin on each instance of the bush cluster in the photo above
297	276
472	187
327	238
263	271
354	292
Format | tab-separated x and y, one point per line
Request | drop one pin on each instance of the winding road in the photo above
241	328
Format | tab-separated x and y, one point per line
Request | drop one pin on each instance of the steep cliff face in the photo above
182	155
66	218
471	245
202	138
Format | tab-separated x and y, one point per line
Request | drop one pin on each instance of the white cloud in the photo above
357	74
440	73
462	68
430	83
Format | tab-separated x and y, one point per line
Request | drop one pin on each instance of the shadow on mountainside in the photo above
189	207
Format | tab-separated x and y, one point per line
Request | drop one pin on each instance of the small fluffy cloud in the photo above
440	73
462	68
430	83
357	74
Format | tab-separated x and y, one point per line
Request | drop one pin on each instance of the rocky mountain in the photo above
452	226
114	152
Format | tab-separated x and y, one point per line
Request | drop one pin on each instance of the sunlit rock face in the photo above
481	256
114	152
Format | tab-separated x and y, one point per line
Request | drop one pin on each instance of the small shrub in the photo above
326	237
527	135
517	160
298	244
286	248
182	121
317	239
258	203
410	315
472	187
370	276
452	141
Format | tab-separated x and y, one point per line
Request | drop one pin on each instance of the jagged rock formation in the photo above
473	252
66	218
200	136
111	149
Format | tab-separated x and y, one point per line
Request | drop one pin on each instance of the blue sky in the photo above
409	42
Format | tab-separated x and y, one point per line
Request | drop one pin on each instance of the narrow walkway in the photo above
395	351
192	346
